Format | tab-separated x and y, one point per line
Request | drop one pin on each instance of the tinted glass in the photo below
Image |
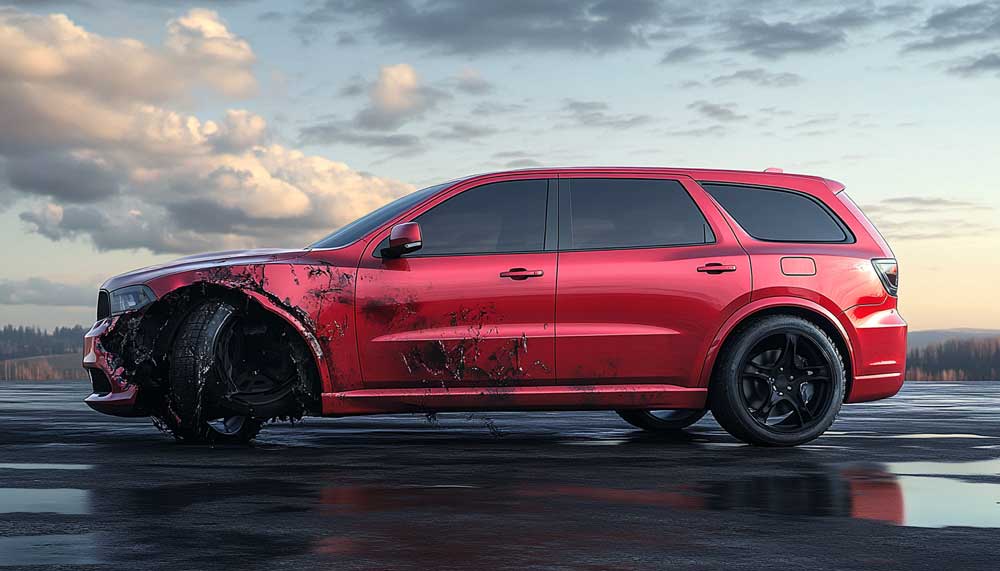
623	213
497	217
778	215
353	231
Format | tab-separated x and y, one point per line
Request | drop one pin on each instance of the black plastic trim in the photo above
103	304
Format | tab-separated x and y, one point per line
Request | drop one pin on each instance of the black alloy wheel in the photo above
778	381
786	381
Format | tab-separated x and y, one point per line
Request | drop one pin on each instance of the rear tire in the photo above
662	420
779	381
230	372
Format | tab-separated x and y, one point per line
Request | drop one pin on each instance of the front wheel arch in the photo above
162	319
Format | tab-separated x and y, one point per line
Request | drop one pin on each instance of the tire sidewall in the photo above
186	394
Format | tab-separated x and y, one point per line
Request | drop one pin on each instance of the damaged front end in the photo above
113	351
287	314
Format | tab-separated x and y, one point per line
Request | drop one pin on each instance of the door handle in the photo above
521	274
716	268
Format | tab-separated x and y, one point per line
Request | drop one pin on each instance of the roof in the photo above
771	177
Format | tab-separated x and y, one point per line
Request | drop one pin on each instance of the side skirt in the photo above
579	397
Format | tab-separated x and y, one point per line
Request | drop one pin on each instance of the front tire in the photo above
230	371
779	381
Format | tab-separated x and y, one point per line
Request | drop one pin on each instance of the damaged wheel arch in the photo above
136	347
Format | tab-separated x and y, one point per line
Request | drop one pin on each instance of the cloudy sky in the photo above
133	133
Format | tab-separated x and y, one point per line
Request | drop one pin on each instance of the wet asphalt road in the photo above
913	482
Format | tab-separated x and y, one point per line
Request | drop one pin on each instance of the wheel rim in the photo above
253	362
228	426
787	383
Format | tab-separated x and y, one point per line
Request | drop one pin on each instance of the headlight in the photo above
131	298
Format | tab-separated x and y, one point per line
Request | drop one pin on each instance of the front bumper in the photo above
112	394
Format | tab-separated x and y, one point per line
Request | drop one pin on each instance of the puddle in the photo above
78	549
29	466
944	502
66	501
928	436
977	468
908	436
912	494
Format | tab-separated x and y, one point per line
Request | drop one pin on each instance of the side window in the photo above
597	213
778	215
492	218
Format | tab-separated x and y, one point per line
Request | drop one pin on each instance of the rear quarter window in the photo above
776	215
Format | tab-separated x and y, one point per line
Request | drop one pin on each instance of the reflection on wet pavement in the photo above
871	492
557	491
49	550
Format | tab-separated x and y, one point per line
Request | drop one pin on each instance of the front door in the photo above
648	272
475	306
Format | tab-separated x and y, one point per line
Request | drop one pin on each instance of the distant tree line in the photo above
21	341
956	360
44	368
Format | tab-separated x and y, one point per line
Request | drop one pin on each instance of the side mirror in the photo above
403	239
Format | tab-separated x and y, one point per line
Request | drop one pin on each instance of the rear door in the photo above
476	305
648	272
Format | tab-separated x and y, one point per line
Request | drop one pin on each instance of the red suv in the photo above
659	293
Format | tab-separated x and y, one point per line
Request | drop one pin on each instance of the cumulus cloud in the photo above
201	41
89	138
69	176
396	97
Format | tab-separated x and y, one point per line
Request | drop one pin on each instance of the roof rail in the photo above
774	170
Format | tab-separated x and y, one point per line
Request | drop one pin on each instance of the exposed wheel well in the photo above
814	317
159	325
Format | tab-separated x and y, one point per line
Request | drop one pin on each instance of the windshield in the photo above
353	231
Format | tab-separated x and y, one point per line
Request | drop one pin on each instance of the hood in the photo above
199	262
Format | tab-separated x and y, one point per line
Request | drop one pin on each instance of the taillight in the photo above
888	272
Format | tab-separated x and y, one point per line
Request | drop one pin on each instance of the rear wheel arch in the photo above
815	315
